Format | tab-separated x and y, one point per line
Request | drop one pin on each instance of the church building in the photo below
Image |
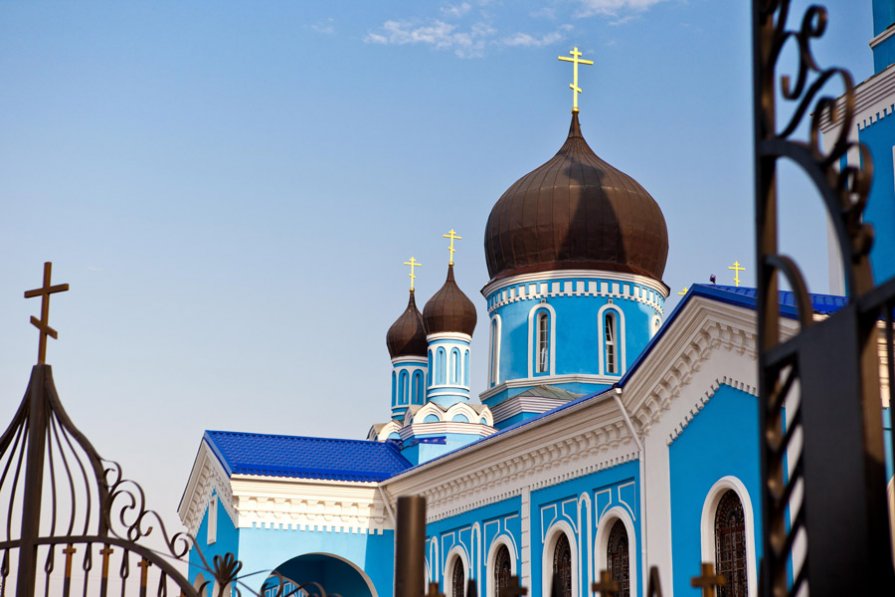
612	435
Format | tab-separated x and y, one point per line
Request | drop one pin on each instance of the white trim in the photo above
886	34
558	526
456	552
620	340
585	274
500	540
212	529
532	332
495	329
548	380
601	546
449	336
422	361
707	526
655	326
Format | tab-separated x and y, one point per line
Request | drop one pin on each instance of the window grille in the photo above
617	557
562	567
543	342
458	579
730	545
609	333
503	571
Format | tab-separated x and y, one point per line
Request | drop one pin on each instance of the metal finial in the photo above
413	263
736	272
575	60
43	324
453	236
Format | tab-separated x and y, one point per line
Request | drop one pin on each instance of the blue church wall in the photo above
579	504
699	458
335	575
449	382
423	448
880	209
575	337
227	541
269	548
474	534
883	15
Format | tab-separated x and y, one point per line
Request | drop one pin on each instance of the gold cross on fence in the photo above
453	236
708	580
413	263
737	268
575	60
43	324
608	586
433	590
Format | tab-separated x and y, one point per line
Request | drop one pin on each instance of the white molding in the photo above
704	399
707	526
495	329
620	340
449	336
874	98
548	548
443	427
386	430
421	361
886	34
524	404
457	552
501	539
601	545
585	274
207	475
552	342
525	382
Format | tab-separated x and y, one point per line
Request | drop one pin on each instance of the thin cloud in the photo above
456	10
465	43
527	40
324	27
614	8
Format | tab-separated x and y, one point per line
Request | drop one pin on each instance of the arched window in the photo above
730	545
455	366
503	570
542	344
429	371
394	388
417	396
562	567
440	358
617	557
610	342
403	384
458	579
495	352
465	367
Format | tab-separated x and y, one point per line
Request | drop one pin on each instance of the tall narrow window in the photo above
503	570
494	354
402	388
394	388
562	567
610	337
455	366
617	557
730	545
458	579
440	366
417	396
429	375
543	345
213	519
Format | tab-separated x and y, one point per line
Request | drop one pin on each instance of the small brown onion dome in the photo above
576	212
449	310
407	336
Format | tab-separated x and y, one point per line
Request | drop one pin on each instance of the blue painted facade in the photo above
408	384
448	369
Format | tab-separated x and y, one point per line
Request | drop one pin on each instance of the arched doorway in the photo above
333	573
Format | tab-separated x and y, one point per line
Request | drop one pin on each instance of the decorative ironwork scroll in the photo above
821	428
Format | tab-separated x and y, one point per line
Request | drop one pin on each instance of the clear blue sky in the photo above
231	188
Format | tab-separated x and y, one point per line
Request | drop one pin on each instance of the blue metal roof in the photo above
823	304
305	457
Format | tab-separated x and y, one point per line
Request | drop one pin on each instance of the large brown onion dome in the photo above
407	336
449	310
576	212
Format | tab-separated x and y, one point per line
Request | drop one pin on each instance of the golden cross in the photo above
608	586
708	580
736	272
575	60
43	324
413	263
683	291
453	236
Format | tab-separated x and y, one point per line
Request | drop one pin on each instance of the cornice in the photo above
206	475
585	274
525	382
873	100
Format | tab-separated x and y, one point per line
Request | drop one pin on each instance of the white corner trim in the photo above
707	526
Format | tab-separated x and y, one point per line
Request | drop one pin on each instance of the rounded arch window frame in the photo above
551	340
707	526
502	540
456	553
495	330
601	544
548	551
620	339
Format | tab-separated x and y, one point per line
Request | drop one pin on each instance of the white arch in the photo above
560	526
656	324
494	339
353	566
430	408
501	540
531	316
707	526
620	315
456	553
601	547
387	430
